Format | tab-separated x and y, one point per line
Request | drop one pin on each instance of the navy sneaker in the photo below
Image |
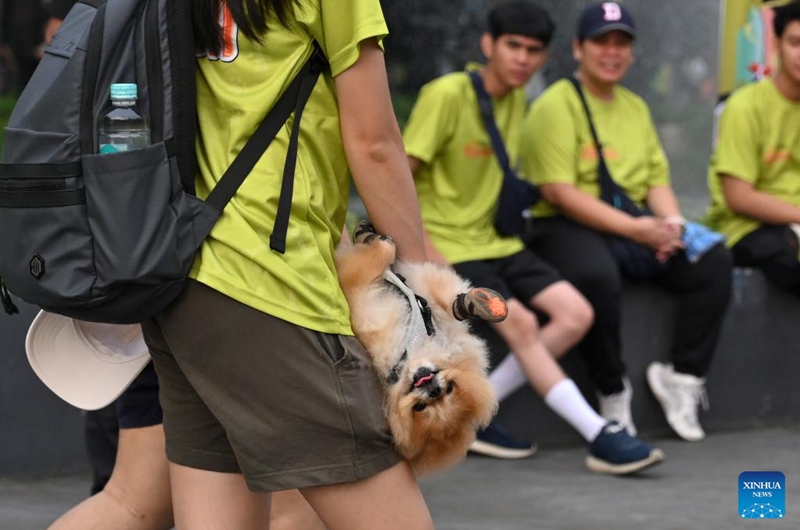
616	452
496	442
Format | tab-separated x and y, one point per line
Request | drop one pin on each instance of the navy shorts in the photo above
522	275
138	406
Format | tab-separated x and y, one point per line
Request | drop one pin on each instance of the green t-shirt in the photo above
459	184
759	142
558	145
234	93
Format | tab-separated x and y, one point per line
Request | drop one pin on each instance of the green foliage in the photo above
403	103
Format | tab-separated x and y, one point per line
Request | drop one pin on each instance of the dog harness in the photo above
420	326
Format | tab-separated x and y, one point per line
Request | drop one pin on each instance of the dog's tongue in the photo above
422	380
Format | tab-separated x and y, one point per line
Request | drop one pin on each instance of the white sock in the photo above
567	401
508	377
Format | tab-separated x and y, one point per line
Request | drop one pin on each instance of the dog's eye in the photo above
419	407
450	387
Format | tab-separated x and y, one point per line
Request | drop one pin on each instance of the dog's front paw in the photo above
365	233
482	303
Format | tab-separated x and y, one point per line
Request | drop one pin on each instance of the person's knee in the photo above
576	320
569	312
521	323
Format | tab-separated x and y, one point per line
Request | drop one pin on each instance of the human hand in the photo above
655	233
677	223
666	251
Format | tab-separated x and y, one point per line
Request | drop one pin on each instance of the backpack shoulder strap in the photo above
292	100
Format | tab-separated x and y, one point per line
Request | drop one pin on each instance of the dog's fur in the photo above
439	398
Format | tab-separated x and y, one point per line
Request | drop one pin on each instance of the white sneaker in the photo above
679	395
617	407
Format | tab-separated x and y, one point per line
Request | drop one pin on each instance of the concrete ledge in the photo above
750	384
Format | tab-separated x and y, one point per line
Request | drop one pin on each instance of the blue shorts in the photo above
138	406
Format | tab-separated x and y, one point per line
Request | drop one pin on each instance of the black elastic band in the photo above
27	171
91	73
41	199
155	74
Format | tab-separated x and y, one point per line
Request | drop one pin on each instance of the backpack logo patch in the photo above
37	266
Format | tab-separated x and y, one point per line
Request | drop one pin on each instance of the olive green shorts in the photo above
245	392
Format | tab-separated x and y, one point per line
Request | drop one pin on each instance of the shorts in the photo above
522	275
138	405
246	392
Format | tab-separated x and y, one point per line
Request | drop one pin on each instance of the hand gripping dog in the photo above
412	320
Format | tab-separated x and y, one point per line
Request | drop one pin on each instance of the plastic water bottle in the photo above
123	128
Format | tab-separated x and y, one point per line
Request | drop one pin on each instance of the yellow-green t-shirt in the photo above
759	142
459	184
557	144
234	93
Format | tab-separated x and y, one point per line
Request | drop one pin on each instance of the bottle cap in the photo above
124	91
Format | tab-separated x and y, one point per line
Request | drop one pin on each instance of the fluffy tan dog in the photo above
436	393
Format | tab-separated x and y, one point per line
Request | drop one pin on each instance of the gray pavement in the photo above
696	487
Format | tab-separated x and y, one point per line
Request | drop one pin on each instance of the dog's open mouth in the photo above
426	381
422	381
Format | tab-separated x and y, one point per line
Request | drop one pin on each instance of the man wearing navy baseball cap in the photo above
571	226
599	19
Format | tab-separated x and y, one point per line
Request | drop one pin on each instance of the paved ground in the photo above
696	487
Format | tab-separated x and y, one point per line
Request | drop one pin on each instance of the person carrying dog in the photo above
263	385
459	178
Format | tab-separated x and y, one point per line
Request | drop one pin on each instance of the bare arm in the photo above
596	214
662	202
375	153
744	199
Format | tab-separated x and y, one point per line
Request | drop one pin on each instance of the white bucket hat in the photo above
86	364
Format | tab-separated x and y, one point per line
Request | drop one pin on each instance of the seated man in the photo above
458	183
754	174
572	225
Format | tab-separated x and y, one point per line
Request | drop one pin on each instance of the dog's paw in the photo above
482	303
365	233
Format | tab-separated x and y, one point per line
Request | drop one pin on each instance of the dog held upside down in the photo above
411	317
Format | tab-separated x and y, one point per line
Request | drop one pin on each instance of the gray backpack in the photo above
111	237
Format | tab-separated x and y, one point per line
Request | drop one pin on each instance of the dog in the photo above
413	320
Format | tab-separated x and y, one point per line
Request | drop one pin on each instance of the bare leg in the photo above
570	314
216	501
390	500
521	333
290	511
137	496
